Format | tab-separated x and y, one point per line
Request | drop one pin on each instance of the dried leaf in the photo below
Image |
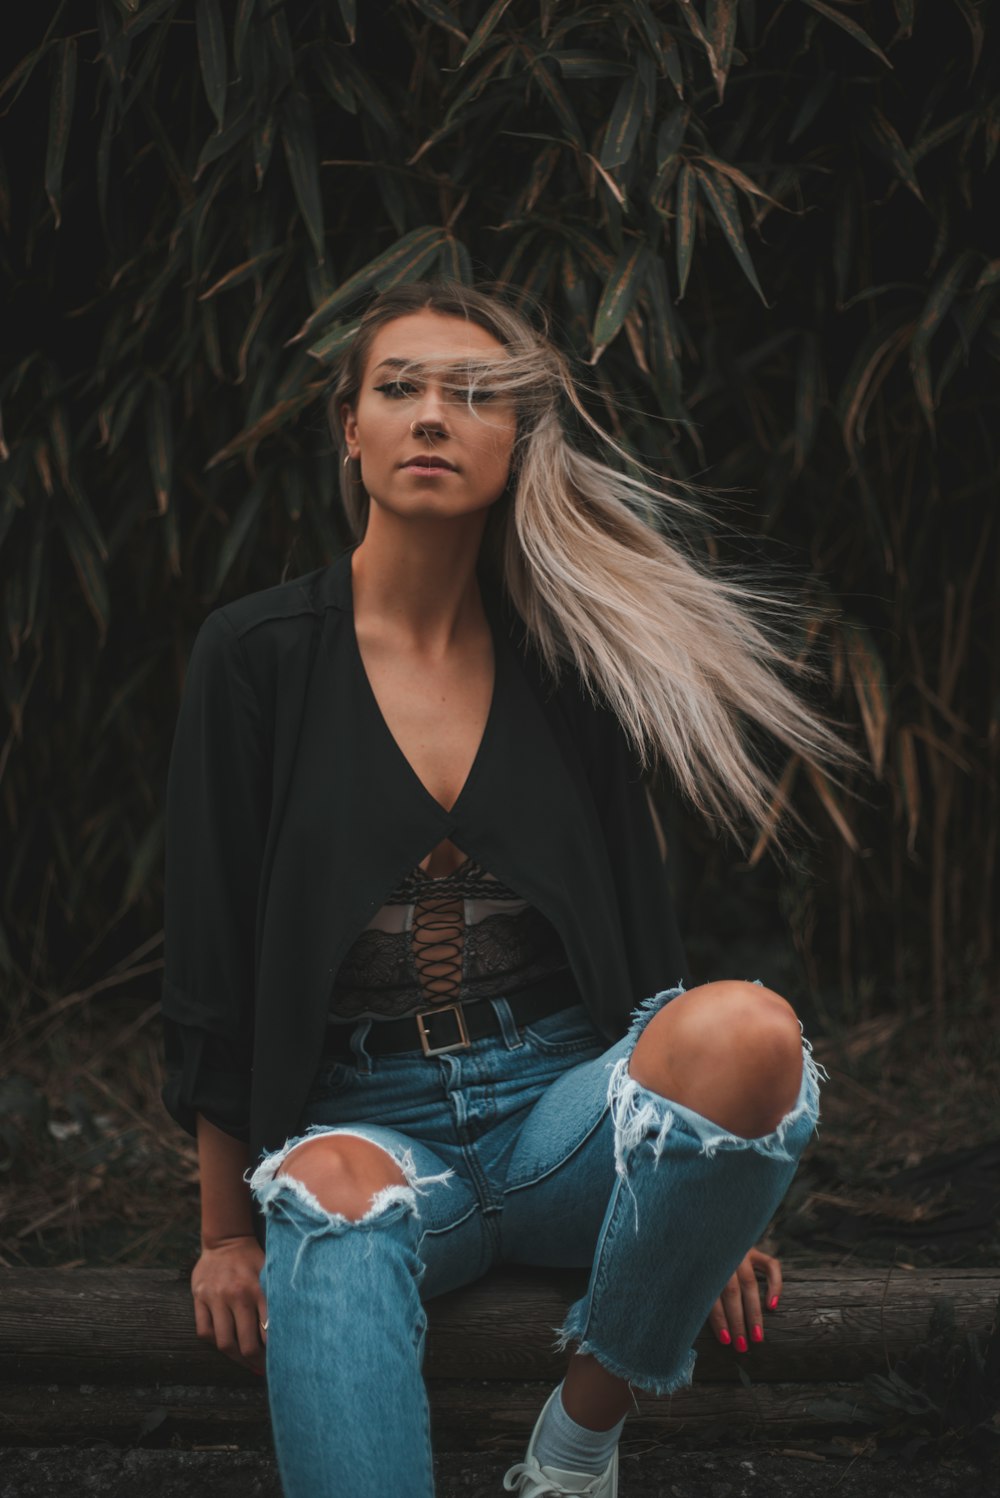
835	812
908	773
779	804
721	19
687	191
869	675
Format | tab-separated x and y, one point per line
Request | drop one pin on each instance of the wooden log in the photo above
84	1326
486	1415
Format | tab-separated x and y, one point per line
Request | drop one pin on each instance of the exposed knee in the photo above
343	1172
730	1050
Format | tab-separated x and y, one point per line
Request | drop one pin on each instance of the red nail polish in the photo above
741	1343
758	1333
724	1337
772	1303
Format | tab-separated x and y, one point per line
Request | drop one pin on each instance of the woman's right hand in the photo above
230	1310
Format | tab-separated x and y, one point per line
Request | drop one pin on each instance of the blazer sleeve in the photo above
641	875
217	811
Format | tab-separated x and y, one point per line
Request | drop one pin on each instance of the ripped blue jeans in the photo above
535	1146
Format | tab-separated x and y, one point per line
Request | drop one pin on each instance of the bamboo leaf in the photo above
890	145
456	261
721	19
722	200
212	55
687	193
263	146
240	273
483	32
740	179
147	16
272	421
60	122
868	673
239	528
620	291
974	21
623	125
939	300
89	572
807	397
349	15
220	142
439	13
905	10
244	15
299	140
988	275
590	65
670	136
401	262
851	27
145	861
554	93
329	348
334	79
160	443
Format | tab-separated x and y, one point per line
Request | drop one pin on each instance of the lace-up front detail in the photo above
456	938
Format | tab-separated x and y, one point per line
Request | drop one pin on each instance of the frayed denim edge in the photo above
266	1184
572	1330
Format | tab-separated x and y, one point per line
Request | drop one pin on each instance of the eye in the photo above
396	389
476	397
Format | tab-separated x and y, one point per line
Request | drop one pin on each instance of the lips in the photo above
430	461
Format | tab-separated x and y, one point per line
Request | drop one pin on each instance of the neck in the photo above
416	580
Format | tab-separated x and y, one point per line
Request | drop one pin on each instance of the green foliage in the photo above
767	235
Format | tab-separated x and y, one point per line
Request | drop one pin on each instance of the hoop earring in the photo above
347	459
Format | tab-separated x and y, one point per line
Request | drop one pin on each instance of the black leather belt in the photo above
453	1027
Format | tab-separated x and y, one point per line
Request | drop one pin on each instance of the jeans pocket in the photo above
564	1032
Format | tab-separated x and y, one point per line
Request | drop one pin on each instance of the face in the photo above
425	451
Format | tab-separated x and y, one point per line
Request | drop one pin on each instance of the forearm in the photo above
226	1211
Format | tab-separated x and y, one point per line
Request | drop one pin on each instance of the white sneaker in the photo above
528	1480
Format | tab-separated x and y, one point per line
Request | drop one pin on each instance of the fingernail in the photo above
724	1337
758	1333
772	1303
741	1343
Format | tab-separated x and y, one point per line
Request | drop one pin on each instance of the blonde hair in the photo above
681	650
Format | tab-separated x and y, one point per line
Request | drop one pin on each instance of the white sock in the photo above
573	1448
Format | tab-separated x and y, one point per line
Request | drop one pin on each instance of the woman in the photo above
423	980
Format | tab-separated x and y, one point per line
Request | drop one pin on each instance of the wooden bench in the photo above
111	1354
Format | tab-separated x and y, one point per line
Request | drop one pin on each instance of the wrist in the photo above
213	1240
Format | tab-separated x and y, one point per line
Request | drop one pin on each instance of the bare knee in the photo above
729	1050
343	1172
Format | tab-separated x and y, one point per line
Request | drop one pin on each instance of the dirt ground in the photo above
739	1473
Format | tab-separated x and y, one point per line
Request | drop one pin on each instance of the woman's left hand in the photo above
736	1318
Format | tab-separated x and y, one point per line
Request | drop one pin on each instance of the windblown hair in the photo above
686	653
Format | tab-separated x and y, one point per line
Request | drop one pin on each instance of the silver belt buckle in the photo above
439	1050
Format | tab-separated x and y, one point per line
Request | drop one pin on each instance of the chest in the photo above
436	712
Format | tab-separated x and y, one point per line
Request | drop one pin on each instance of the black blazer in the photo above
291	813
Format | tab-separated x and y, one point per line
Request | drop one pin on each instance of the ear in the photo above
349	422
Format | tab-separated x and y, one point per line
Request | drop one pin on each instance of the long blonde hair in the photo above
683	651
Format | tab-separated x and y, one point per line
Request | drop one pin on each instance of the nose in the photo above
430	417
